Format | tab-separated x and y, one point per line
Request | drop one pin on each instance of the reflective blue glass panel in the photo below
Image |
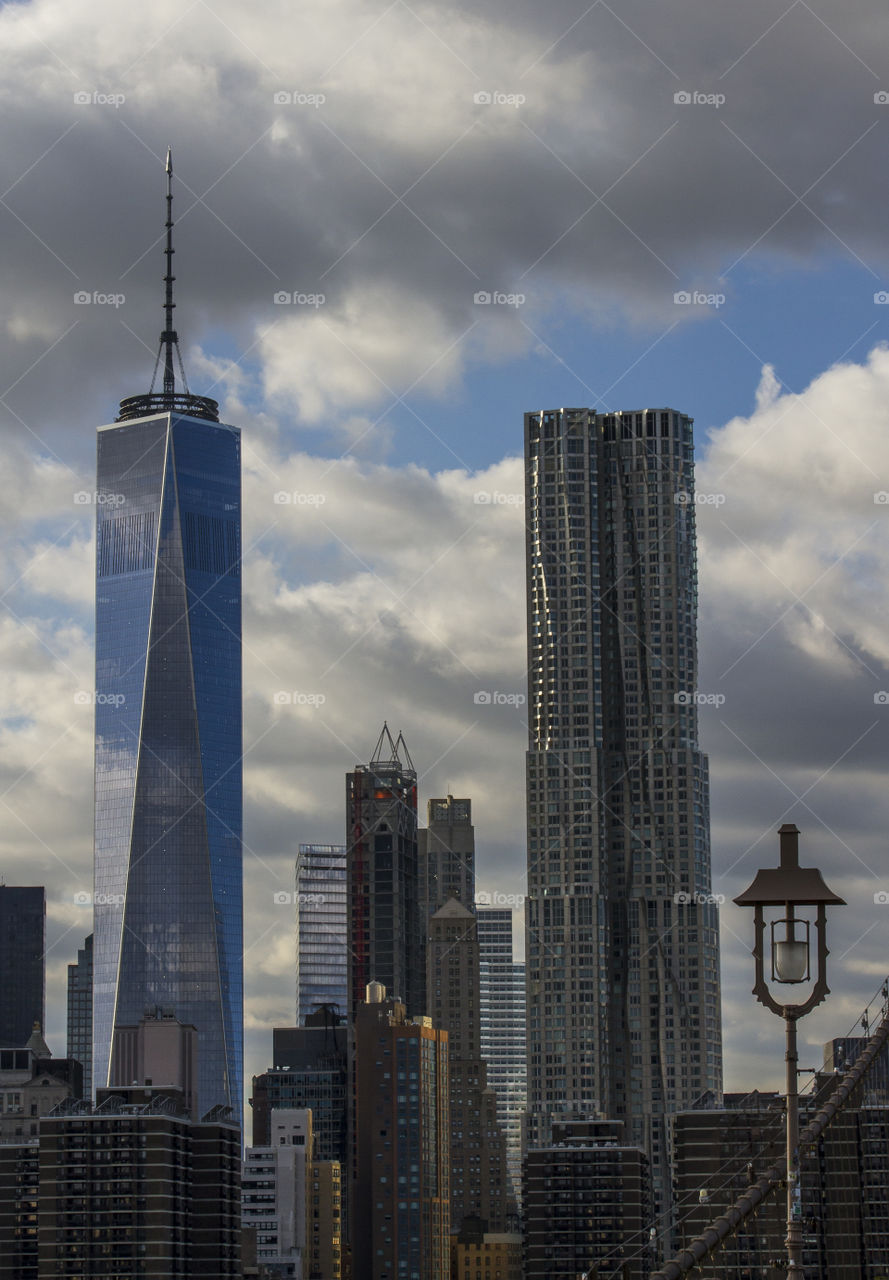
168	844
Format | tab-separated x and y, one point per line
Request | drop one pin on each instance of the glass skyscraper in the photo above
80	1013
22	962
168	820
502	1004
322	941
622	928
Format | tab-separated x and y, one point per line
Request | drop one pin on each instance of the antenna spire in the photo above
169	400
169	337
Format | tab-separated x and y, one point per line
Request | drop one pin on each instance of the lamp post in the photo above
790	886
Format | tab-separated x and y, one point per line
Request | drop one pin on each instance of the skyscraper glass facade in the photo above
623	981
168	821
322	947
80	1013
22	962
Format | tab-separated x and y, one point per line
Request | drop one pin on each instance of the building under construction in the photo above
386	934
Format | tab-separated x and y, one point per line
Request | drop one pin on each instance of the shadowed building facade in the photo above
480	1185
447	855
80	1013
400	1219
22	964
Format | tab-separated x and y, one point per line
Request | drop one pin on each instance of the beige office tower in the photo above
480	1185
622	929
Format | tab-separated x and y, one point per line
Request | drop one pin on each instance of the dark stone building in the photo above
22	964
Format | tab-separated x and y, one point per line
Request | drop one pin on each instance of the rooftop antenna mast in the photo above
169	337
169	400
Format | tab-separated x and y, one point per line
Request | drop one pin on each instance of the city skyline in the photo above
383	581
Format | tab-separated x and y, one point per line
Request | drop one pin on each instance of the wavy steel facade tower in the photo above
623	981
168	819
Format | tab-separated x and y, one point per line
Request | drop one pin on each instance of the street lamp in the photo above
790	886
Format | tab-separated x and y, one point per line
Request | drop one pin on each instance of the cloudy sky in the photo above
470	211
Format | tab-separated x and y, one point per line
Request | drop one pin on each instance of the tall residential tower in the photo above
623	981
168	818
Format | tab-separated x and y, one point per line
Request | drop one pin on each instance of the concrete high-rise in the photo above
293	1201
386	934
22	962
622	951
322	939
502	1006
447	855
480	1183
80	1013
168	795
